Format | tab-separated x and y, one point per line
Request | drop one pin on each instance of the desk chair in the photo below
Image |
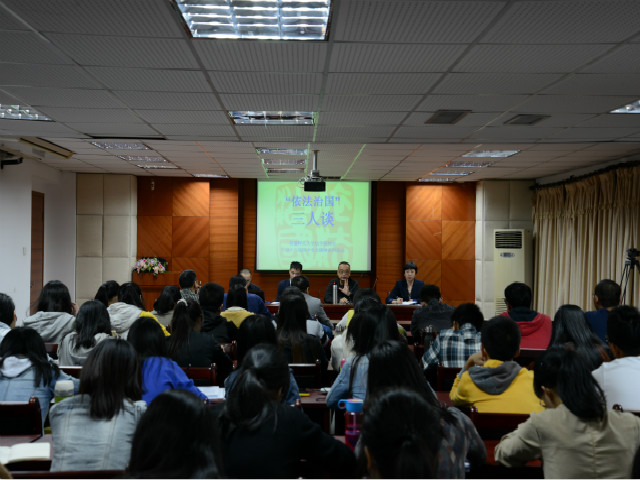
492	426
203	375
528	356
21	418
619	408
72	371
307	375
445	377
51	349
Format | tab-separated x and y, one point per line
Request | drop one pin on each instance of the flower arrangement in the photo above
153	265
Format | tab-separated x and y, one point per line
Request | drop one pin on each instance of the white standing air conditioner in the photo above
512	262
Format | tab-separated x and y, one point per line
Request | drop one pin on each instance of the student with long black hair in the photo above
570	325
398	445
92	326
297	345
159	372
93	430
576	437
370	326
26	371
264	438
128	308
189	347
108	293
165	303
55	313
7	315
391	366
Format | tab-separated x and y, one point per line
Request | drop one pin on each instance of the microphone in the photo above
374	283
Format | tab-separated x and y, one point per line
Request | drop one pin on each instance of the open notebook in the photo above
22	452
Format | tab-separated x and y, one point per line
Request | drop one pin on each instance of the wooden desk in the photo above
335	313
39	465
315	406
443	398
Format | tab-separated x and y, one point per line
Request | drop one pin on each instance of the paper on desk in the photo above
410	302
22	452
213	393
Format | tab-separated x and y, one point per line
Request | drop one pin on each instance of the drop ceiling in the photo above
130	70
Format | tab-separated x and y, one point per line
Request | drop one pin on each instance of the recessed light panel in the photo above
526	119
283	161
491	153
21	112
121	145
139	159
257	19
437	179
468	164
281	151
209	175
156	165
285	170
633	107
271	118
447	172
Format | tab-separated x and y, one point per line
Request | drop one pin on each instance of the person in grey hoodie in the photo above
92	326
55	313
128	308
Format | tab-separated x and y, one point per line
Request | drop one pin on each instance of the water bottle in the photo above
352	420
62	390
335	293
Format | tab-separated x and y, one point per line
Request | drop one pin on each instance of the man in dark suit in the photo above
295	269
251	287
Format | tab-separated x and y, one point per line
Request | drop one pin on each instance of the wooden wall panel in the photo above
424	202
155	196
458	240
390	235
458	281
423	239
199	264
459	202
154	236
224	220
190	237
190	198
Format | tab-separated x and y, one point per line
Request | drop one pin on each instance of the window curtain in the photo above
582	231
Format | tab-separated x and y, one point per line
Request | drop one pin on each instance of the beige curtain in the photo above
582	233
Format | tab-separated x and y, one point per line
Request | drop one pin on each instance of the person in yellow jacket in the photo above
490	380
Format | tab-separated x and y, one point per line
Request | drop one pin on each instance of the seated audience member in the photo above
251	287
620	378
575	437
570	326
188	285
254	302
254	330
92	326
491	380
535	328
432	312
236	310
295	269
392	366
398	445
360	295
7	315
314	327
605	297
108	293
347	286
453	346
369	327
165	303
264	438
159	372
26	371
298	346
189	347
93	430
128	308
177	437
211	297
407	289
313	304
55	315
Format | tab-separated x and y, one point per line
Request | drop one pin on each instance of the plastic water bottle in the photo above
352	420
62	390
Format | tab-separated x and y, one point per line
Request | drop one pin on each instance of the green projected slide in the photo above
319	229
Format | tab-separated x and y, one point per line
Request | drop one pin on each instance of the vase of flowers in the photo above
153	265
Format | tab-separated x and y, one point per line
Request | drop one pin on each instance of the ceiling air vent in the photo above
448	117
508	239
526	119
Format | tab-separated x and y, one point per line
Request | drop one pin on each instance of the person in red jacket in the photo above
535	328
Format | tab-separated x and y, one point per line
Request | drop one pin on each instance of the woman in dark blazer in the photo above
406	289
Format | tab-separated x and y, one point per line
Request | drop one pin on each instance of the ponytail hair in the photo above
262	382
107	291
565	370
167	299
185	317
402	446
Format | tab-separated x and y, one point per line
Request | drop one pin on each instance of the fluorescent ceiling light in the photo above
130	158
437	179
491	153
209	175
285	170
281	151
156	165
468	164
121	145
283	161
633	107
257	19
452	173
271	118
21	112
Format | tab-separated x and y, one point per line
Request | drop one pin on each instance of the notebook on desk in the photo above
24	452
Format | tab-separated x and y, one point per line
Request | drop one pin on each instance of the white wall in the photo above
16	184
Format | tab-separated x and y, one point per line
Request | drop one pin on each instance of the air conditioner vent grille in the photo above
508	239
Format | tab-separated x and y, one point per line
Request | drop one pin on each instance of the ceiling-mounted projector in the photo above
314	182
